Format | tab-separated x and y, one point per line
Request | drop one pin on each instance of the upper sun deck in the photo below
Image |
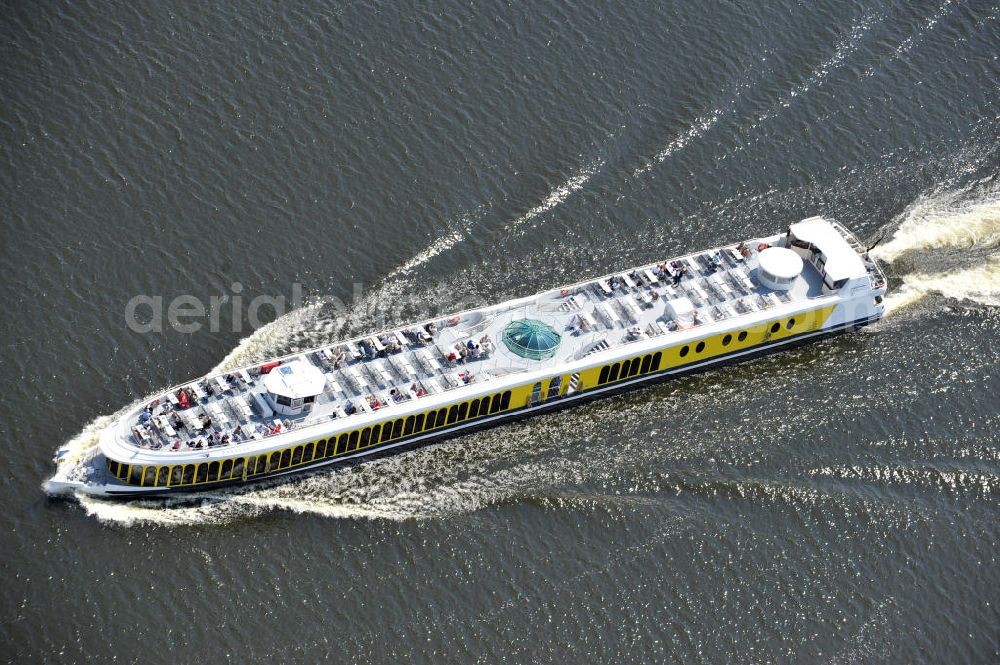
476	350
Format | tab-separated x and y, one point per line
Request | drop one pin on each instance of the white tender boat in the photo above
428	381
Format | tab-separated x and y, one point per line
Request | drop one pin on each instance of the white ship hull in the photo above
594	355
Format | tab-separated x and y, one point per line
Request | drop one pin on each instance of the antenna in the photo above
877	241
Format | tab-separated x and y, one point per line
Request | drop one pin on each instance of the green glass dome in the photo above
531	339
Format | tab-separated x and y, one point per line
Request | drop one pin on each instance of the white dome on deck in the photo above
779	267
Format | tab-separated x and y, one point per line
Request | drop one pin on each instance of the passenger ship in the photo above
479	368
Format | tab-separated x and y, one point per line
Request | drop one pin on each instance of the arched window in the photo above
505	400
452	414
352	442
613	374
419	422
656	361
495	403
227	469
376	431
342	443
397	428
634	366
149	476
286	458
201	473
366	434
296	455
307	452
603	378
238	467
188	476
320	448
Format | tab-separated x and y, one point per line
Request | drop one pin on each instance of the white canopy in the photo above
295	379
841	261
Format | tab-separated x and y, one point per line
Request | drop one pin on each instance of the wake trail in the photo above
817	76
947	219
907	44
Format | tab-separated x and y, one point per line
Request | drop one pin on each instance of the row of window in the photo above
727	339
279	460
288	401
628	368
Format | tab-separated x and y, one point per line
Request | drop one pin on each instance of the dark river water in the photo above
833	504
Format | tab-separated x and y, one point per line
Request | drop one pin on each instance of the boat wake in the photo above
557	195
948	220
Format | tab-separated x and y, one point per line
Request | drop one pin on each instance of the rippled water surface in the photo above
833	504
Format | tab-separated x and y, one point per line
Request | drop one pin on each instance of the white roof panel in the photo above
295	379
842	262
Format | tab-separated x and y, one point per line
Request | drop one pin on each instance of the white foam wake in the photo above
980	284
945	219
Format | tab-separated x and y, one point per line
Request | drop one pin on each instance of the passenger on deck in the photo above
467	376
431	329
418	390
374	402
337	355
349	408
388	341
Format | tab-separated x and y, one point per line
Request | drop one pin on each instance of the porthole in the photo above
684	351
742	336
726	340
775	327
700	347
790	324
